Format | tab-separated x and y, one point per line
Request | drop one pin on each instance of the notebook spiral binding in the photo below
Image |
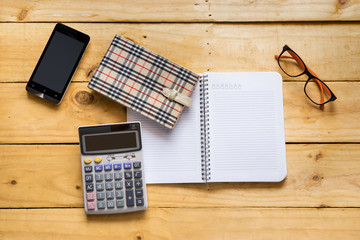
204	124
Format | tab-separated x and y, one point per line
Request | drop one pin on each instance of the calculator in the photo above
112	168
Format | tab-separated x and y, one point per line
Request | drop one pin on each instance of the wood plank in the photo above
183	223
326	48
318	176
28	119
305	122
178	11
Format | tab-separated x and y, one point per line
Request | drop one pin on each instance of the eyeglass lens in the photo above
291	63
313	91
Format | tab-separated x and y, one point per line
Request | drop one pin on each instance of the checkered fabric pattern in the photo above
135	76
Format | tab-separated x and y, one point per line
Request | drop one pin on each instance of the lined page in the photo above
172	156
246	127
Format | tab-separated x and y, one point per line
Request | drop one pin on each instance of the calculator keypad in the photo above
114	186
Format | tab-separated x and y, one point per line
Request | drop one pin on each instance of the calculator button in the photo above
108	176
128	184
119	194
130	198
139	202
110	195
127	165
118	184
87	160
107	167
110	204
98	159
139	192
109	186
91	205
100	186
137	174
120	203
117	166
128	175
138	183
90	196
98	168
118	175
137	164
90	187
101	204
88	168
99	177
89	178
100	196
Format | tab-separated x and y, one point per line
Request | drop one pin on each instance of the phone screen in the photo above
58	62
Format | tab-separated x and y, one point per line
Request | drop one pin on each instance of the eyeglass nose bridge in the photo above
309	74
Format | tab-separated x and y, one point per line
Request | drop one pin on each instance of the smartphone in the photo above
57	63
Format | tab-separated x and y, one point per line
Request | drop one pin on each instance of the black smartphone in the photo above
57	63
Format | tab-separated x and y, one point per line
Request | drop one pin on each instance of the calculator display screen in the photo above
111	142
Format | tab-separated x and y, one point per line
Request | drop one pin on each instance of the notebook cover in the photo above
135	76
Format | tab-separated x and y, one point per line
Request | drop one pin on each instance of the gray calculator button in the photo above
137	164
118	175
109	195
120	203
90	187
100	196
139	192
109	186
111	204
128	175
101	204
99	177
128	184
89	178
137	174
129	197
100	186
119	194
88	168
108	176
139	202
118	184
138	183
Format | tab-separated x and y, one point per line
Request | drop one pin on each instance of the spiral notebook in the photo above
233	132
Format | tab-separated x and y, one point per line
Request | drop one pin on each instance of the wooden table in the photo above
41	193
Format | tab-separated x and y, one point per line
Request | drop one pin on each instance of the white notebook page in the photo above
172	156
246	127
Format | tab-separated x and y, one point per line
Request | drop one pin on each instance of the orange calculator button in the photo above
98	159
87	160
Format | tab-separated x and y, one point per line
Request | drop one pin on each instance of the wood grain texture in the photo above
178	11
30	115
319	175
183	223
326	48
28	119
40	184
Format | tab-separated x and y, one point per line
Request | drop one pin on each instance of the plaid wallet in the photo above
137	77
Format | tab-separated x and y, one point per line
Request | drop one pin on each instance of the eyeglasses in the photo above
315	89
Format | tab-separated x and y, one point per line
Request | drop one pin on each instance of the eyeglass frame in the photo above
306	71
